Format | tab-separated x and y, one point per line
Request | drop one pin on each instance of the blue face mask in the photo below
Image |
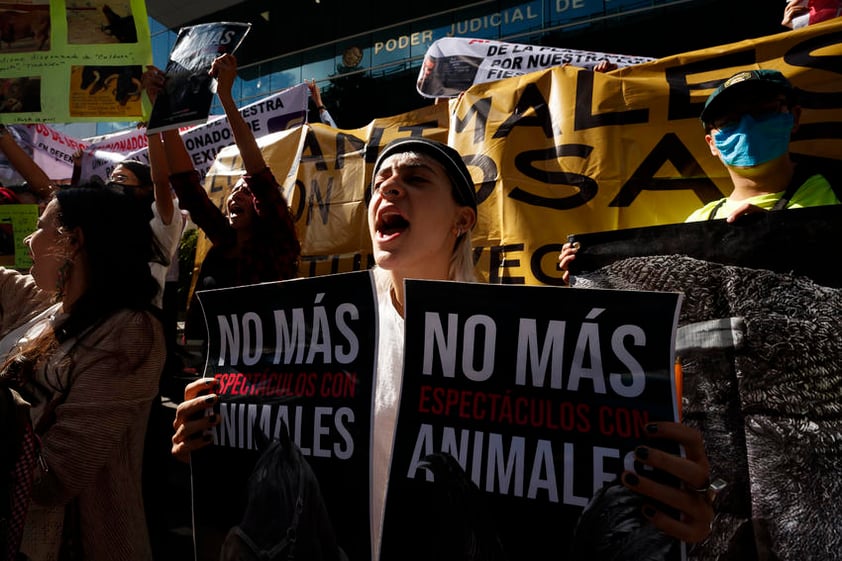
754	141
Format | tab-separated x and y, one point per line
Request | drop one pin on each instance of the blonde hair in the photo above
462	261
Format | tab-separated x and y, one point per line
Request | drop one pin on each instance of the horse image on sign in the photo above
286	517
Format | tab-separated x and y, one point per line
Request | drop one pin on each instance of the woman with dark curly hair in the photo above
254	238
88	364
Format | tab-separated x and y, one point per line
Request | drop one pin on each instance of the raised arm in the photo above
160	177
316	94
224	69
24	164
153	82
192	197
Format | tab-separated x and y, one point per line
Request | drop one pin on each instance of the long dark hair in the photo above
119	244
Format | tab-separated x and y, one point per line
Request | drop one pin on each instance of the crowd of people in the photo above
86	333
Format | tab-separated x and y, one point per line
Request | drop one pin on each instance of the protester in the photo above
153	192
256	241
89	368
422	209
748	122
168	224
801	13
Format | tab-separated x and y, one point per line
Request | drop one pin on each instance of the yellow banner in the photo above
565	151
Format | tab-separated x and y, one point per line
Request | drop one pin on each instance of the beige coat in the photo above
104	384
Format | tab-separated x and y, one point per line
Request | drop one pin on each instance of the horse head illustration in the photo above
285	517
460	523
612	527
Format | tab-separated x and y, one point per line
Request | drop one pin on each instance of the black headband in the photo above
463	185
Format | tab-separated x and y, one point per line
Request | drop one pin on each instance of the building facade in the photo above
366	55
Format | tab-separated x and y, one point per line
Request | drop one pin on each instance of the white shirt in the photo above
168	236
387	391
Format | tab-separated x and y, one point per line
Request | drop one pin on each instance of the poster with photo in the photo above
72	60
290	455
16	222
520	407
188	92
760	343
453	64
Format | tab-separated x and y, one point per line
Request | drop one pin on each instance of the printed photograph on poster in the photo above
20	95
442	75
25	27
72	60
188	91
453	64
520	407
290	456
761	335
16	222
105	90
100	22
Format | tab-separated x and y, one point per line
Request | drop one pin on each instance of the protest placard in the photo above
16	222
519	408
73	60
277	112
290	456
454	64
187	94
760	344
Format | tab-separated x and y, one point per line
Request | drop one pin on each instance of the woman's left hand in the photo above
692	500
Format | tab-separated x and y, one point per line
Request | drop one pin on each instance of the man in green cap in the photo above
749	120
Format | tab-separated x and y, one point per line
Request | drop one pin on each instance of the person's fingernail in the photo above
210	399
648	511
631	480
641	452
651	428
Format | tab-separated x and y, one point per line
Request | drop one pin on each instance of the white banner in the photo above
278	112
454	64
281	111
53	150
102	156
